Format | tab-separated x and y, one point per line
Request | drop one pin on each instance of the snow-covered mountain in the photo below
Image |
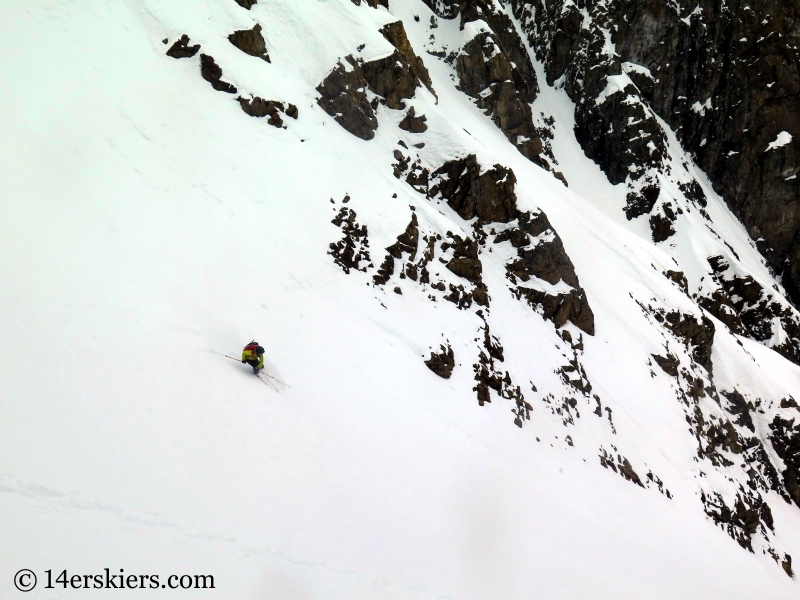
521	344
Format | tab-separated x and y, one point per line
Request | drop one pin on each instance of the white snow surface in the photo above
147	221
784	138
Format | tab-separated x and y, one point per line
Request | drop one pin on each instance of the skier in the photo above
253	355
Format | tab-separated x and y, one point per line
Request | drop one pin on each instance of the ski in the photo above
258	374
267	383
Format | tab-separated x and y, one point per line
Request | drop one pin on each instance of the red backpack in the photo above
254	348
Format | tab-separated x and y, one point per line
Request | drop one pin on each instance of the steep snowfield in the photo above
146	221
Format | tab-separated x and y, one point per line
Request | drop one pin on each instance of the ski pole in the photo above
225	355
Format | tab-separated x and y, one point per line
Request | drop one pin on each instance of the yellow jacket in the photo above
248	355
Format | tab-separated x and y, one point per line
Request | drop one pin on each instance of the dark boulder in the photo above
182	49
489	196
413	123
547	260
572	307
258	107
212	73
465	262
669	363
342	96
392	78
661	227
442	363
641	202
250	41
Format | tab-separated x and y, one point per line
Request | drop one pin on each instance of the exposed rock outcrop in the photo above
669	363
489	377
258	107
502	87
250	41
372	3
343	96
697	334
541	254
248	4
406	242
622	466
212	73
392	79
182	49
352	251
442	363
749	515
748	309
785	440
466	263
489	196
724	76
413	123
395	33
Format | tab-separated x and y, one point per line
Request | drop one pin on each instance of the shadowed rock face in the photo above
342	96
669	363
724	76
697	334
393	79
496	70
395	34
248	4
489	196
250	41
785	440
740	62
501	91
546	259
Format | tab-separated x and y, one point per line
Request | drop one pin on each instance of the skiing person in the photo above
253	355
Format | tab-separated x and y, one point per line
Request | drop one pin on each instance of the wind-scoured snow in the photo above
147	222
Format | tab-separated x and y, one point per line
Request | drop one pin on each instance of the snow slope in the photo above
146	221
